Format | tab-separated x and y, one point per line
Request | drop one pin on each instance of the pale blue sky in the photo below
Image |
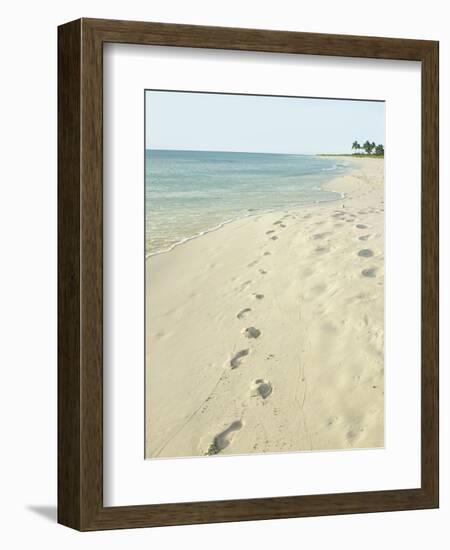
266	124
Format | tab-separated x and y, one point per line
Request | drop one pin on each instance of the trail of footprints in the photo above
369	272
260	387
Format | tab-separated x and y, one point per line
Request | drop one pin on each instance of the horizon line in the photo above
244	152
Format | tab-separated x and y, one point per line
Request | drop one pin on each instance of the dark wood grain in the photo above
80	265
69	244
430	272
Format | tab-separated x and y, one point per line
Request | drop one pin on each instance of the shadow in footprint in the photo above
361	226
365	253
237	359
223	439
274	238
259	296
370	272
252	332
243	313
263	388
321	235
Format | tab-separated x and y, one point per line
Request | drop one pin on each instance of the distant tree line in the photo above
368	147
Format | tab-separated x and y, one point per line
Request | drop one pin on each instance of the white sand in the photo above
267	334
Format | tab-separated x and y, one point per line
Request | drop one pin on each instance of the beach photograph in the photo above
264	274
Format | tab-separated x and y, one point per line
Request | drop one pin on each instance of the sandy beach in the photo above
267	334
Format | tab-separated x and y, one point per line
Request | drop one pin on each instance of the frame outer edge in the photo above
80	293
91	277
430	274
69	244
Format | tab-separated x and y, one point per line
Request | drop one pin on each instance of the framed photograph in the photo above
248	274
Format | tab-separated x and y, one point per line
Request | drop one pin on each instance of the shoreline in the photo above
259	213
267	336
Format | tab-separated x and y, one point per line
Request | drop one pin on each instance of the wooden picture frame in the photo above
80	272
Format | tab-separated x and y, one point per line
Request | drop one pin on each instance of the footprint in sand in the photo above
251	264
363	237
279	222
223	439
271	231
252	332
370	272
365	253
266	254
321	235
263	272
258	296
274	238
282	225
237	358
361	226
243	313
261	388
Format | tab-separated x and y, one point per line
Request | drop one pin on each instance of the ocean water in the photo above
188	193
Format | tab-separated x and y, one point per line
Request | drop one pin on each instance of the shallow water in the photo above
188	193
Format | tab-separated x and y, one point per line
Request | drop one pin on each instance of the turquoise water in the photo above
188	193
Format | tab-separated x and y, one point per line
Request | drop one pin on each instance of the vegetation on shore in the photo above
370	148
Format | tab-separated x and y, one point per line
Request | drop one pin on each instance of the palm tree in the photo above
356	146
367	147
379	149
